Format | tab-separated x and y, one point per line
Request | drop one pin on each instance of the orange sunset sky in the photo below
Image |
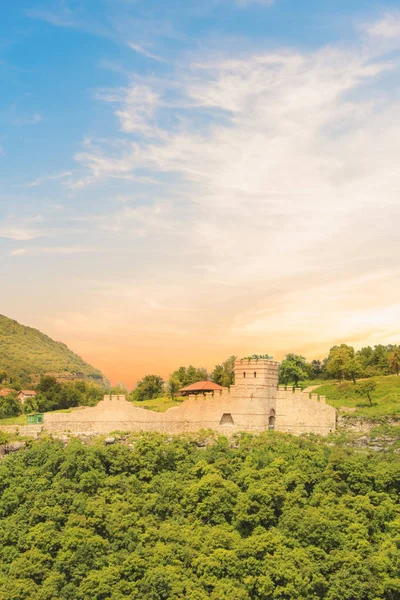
185	189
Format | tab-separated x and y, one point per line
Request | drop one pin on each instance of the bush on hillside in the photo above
276	518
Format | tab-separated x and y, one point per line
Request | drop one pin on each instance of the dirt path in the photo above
311	388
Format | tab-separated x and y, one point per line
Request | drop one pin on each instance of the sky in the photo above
184	180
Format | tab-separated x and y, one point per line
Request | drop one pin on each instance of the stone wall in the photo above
300	412
247	406
28	430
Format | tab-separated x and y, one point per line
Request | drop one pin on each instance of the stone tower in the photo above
257	381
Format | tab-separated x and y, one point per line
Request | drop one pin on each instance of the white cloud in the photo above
244	3
46	178
60	18
38	250
21	229
139	48
387	28
32	119
276	168
258	194
18	252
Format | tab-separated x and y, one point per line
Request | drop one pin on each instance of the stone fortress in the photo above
255	403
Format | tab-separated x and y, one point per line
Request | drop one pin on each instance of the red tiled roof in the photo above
5	391
27	392
202	386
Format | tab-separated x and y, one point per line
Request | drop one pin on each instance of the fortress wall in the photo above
28	430
296	412
201	412
245	407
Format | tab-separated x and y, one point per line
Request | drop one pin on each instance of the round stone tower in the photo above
257	381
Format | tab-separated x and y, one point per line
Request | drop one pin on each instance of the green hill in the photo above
26	353
385	399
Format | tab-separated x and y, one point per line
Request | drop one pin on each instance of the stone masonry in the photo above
254	404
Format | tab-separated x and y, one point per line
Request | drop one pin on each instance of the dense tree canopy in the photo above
224	374
293	369
271	519
148	388
53	395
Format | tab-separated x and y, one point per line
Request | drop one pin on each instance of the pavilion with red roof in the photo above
200	387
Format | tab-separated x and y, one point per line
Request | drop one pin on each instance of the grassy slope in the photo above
25	351
20	420
159	404
385	399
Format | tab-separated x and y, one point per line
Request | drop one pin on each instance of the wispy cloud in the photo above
139	48
46	178
27	119
244	3
388	27
59	18
269	195
38	250
59	14
21	229
258	193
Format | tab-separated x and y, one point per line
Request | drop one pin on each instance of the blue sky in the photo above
225	164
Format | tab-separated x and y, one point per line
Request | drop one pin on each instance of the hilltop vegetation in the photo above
275	518
385	398
26	352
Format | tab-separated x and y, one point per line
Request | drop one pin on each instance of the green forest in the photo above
266	517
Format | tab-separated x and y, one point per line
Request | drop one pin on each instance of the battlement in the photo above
113	397
256	361
288	391
255	372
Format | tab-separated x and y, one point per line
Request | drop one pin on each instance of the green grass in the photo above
311	382
20	420
385	399
160	404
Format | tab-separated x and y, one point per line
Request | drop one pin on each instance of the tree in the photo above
339	357
366	356
9	406
174	385
258	357
365	388
394	360
224	374
380	358
353	369
188	375
148	388
293	369
119	389
315	369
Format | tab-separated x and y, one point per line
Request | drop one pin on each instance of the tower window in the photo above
255	374
244	373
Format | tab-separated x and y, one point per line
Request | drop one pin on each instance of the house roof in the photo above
5	391
27	392
202	386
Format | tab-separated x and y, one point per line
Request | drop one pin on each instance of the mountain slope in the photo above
26	353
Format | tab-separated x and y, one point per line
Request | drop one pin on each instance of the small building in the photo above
5	391
25	394
37	419
200	387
